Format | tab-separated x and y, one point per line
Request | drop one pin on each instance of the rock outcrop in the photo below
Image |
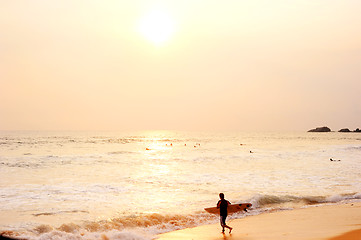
348	130
326	129
320	129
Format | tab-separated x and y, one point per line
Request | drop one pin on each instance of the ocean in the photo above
135	185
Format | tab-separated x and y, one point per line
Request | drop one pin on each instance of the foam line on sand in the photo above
328	222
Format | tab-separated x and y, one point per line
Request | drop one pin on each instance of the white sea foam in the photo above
113	234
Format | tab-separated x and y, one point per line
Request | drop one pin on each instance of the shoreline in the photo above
322	222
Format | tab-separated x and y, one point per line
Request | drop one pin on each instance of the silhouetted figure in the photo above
223	205
332	160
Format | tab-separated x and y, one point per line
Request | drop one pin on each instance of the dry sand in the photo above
328	222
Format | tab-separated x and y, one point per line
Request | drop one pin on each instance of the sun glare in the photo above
157	26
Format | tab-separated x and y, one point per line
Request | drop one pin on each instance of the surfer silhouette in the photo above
223	205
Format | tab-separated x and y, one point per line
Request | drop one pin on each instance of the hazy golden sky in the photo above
180	65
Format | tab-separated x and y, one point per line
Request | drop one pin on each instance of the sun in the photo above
157	26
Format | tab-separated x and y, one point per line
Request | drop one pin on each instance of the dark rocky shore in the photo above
348	130
326	129
320	129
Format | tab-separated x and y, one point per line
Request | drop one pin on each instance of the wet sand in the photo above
328	222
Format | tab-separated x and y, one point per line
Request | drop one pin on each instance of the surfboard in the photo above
231	208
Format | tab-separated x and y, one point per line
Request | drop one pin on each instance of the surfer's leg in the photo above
223	222
225	225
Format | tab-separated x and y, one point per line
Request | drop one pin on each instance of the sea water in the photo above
121	185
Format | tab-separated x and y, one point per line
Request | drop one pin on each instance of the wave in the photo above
156	222
30	161
59	212
353	148
21	165
120	152
263	201
141	227
107	235
20	140
146	226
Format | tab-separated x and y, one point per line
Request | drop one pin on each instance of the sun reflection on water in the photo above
158	155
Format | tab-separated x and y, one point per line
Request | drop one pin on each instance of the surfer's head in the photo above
221	196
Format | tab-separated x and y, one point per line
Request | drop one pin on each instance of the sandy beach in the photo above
328	222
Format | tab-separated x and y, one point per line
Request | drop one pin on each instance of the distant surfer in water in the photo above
223	205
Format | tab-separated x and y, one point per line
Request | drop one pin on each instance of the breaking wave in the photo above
133	227
263	201
147	226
